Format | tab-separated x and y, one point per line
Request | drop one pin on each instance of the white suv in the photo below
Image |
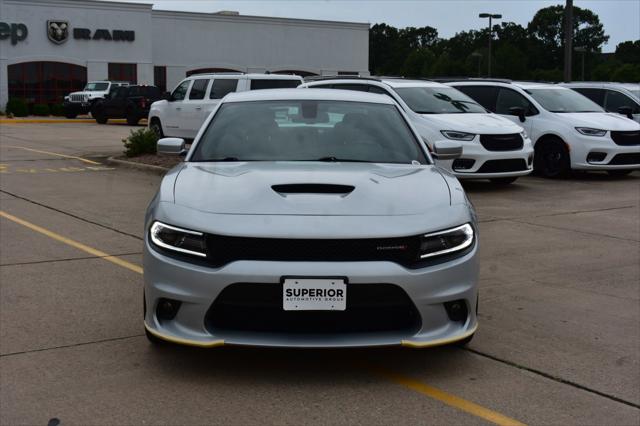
493	147
623	98
197	95
81	102
568	130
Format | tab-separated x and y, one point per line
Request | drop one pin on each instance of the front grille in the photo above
511	142
77	98
624	159
257	307
626	138
223	249
503	166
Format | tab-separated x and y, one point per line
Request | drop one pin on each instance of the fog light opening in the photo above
596	157
167	309
463	164
457	310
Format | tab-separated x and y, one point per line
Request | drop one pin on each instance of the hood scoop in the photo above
312	188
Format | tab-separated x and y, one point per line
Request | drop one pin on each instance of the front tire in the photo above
504	180
552	159
156	127
132	119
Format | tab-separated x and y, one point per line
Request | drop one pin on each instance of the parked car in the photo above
310	218
130	102
76	103
190	103
493	148
569	131
623	98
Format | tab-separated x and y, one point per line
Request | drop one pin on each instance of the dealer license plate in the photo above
314	294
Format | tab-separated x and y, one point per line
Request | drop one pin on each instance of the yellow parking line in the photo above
448	399
55	154
72	243
413	384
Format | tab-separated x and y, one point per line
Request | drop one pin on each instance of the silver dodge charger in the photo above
310	218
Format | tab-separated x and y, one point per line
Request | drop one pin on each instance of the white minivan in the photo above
190	103
569	131
494	148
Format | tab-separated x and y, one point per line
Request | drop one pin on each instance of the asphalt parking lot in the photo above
558	341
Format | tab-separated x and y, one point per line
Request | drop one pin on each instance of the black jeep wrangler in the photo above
130	102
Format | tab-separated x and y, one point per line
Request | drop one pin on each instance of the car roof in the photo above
390	81
306	94
254	76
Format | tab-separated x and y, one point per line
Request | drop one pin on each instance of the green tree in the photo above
418	63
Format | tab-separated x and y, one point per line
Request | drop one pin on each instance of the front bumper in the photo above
197	287
77	107
483	160
581	146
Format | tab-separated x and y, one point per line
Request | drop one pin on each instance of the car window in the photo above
438	100
149	91
122	93
198	89
379	91
96	87
260	84
484	95
179	92
309	130
562	100
508	98
223	86
616	100
596	95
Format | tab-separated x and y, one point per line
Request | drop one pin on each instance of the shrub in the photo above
57	110
17	107
141	141
41	109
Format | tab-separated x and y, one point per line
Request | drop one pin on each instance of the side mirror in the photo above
518	112
171	146
166	96
625	110
447	150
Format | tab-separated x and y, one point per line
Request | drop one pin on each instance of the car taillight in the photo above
143	103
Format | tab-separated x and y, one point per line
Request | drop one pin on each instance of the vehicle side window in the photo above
122	92
180	91
616	100
508	98
259	84
484	95
377	90
198	89
223	86
596	95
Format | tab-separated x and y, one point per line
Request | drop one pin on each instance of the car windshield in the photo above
563	100
309	130
96	87
438	100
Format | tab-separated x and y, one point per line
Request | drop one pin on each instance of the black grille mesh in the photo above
511	142
624	159
626	138
502	166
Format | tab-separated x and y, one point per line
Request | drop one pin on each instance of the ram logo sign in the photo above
58	31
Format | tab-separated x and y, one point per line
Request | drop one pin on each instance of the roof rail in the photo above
217	73
339	77
453	79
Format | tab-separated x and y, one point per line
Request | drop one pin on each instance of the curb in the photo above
149	168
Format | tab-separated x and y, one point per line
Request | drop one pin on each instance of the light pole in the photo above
491	16
583	50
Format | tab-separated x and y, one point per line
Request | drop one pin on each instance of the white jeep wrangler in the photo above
81	102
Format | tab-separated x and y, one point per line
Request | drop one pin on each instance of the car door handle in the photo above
178	108
198	108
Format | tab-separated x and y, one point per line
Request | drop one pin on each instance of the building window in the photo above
45	82
123	72
211	71
160	78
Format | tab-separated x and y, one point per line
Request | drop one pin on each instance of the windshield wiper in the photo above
424	112
332	159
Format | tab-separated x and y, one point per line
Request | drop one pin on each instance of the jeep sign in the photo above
15	32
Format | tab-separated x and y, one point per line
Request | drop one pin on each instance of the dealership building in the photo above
49	48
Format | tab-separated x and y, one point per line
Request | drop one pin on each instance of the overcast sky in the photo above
621	18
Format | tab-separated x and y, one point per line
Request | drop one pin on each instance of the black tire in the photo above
504	180
132	119
552	159
156	127
101	118
618	173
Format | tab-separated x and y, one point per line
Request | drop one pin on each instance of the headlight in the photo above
448	241
457	136
588	131
178	239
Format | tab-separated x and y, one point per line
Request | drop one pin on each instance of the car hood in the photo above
477	123
600	120
272	188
